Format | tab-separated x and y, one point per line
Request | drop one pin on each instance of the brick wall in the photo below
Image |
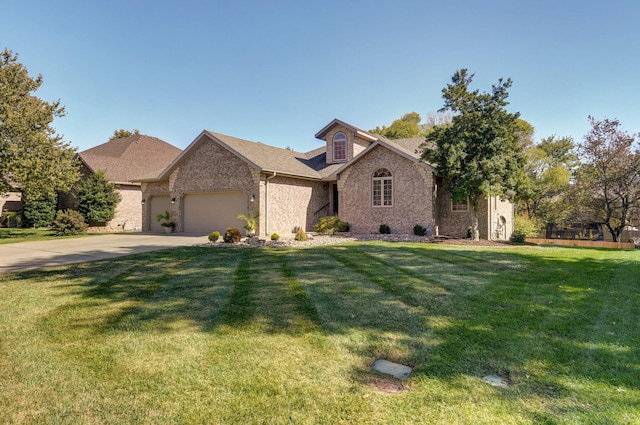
212	168
128	216
355	145
293	203
495	217
412	194
149	190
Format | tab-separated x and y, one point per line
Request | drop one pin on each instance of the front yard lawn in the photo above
14	235
280	336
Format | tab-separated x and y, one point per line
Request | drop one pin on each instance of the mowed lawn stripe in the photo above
372	322
241	305
304	306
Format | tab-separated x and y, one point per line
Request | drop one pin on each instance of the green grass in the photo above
279	336
15	235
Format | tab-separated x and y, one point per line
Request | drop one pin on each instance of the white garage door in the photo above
208	212
158	205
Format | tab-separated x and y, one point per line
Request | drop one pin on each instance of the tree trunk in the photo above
475	232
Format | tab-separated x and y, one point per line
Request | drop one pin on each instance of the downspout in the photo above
266	203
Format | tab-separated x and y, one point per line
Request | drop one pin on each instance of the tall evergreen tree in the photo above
97	199
479	153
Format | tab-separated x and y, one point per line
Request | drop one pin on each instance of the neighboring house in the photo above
123	160
11	202
365	178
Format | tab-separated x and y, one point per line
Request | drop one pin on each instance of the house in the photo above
123	160
365	178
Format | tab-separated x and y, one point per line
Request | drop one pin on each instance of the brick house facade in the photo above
365	178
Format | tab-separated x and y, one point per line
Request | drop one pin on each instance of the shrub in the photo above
251	222
165	220
418	230
39	210
214	236
69	222
384	229
330	224
275	237
97	199
232	235
11	219
301	236
523	227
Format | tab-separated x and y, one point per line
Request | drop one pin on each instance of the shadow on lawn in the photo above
542	321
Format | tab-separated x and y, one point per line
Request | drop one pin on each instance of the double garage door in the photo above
208	212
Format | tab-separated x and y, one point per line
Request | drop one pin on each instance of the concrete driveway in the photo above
15	257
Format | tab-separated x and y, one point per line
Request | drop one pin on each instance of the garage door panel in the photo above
158	205
208	212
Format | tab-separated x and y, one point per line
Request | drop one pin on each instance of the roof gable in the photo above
265	158
359	132
407	148
130	158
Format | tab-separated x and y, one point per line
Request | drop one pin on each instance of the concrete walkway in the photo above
15	257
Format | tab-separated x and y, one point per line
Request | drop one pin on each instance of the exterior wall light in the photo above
253	198
173	200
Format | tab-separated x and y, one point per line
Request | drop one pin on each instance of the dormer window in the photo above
340	147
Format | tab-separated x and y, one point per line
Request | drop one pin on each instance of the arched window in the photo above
382	188
340	147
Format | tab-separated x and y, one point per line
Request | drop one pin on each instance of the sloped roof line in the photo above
389	144
255	154
120	158
320	134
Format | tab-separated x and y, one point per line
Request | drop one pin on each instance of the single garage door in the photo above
158	205
208	212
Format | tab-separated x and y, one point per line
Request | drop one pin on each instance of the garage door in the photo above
207	212
158	205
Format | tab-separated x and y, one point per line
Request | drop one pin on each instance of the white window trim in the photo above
382	181
333	147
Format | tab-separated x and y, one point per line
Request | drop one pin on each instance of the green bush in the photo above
69	222
523	227
385	229
330	224
97	199
214	236
39	210
301	236
275	237
418	230
232	235
11	219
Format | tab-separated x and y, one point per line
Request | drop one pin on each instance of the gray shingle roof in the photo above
284	161
130	158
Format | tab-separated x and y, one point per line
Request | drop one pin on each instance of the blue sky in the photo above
278	71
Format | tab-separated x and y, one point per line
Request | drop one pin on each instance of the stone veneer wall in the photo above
293	203
412	194
212	168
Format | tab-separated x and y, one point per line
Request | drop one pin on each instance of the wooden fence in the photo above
583	243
